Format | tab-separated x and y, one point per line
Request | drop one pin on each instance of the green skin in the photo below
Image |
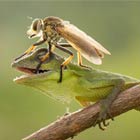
82	84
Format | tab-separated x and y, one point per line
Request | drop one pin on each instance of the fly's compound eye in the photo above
35	29
35	24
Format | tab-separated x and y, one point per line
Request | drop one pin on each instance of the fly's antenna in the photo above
29	17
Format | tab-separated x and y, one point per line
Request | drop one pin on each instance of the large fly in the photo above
52	29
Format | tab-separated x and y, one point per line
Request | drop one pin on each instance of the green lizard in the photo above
84	85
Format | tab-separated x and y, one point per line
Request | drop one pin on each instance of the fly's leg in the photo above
51	49
66	45
79	57
45	57
66	62
30	49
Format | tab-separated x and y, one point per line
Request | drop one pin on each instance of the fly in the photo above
51	30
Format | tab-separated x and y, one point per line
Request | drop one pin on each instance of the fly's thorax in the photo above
50	26
51	34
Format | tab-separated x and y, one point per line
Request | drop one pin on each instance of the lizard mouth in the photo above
31	71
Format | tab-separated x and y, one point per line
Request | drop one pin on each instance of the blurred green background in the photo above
116	25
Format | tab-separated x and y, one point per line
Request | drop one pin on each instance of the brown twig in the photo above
70	125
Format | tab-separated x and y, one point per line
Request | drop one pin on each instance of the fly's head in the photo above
36	28
46	28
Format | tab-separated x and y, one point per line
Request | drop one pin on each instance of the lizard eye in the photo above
42	52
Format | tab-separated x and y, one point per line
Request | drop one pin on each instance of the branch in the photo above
70	125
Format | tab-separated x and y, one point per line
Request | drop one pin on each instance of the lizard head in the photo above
46	79
29	63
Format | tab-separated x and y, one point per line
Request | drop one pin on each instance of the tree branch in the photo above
70	125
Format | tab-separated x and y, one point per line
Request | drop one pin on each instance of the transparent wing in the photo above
87	46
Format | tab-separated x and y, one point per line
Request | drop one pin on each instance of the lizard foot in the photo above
102	117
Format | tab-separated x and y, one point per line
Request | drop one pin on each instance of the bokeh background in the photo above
114	24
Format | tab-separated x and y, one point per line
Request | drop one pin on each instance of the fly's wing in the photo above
87	46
